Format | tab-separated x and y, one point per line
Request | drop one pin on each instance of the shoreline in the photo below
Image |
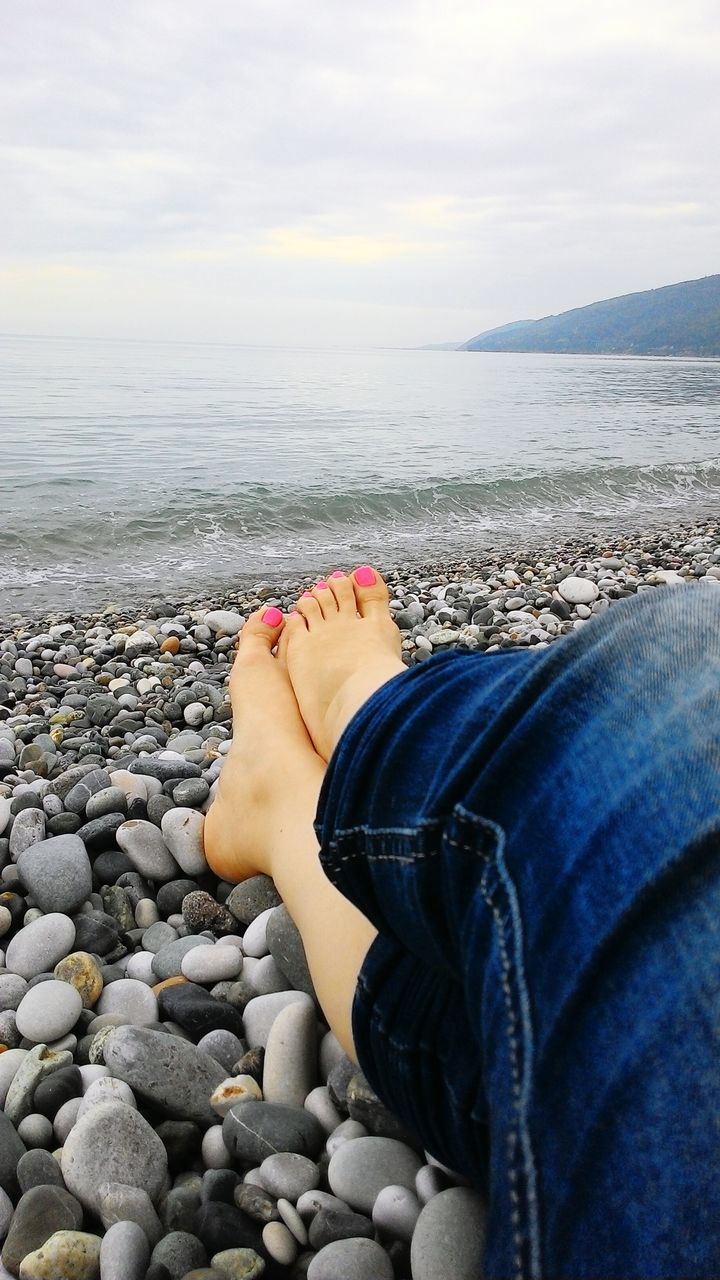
665	540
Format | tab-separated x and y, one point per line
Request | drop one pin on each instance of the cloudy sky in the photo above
317	172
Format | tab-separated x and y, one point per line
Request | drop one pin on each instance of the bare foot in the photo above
342	644
271	779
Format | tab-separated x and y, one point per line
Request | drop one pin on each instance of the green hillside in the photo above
676	320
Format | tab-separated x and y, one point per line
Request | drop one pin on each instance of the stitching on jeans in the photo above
522	1174
499	893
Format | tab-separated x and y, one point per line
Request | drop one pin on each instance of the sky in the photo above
320	173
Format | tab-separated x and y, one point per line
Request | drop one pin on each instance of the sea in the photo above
137	471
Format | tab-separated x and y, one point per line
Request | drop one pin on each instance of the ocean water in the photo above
131	471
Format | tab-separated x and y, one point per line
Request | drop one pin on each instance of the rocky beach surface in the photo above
172	1104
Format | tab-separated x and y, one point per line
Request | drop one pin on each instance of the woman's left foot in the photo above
271	778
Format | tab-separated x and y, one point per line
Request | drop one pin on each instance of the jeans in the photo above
536	837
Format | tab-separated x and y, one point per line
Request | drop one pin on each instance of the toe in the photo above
295	622
260	632
342	590
325	598
371	593
310	610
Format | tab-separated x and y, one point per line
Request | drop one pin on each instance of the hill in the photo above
676	320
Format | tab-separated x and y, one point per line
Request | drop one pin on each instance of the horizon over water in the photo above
137	470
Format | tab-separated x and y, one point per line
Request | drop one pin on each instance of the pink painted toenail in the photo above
365	576
306	595
272	617
322	584
337	574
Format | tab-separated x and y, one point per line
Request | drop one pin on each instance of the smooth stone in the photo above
5	921
578	590
144	845
253	1130
38	1213
12	1149
113	1143
225	620
158	935
319	1103
347	1131
289	1175
28	828
57	1089
110	800
147	914
9	1066
78	796
39	1063
360	1169
81	970
222	1226
57	872
396	1211
260	1013
74	1255
238	1264
164	770
168	1072
194	1009
101	832
449	1238
119	1202
124	1252
232	1090
329	1225
214	1152
255	936
280	1243
192	792
253	896
48	1011
6	1213
131	1000
12	989
65	1119
139	966
311	1202
264	977
107	1089
256	1202
179	1252
287	950
38	1168
291	1055
167	962
224	1046
357	1259
212	964
293	1221
40	945
182	831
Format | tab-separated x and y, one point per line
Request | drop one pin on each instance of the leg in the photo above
262	819
541	833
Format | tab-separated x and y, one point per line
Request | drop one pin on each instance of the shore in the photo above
170	1096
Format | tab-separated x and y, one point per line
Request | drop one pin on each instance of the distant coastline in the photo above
676	320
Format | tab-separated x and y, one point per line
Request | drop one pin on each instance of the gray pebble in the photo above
180	1252
124	1252
158	935
118	1202
291	1054
109	800
449	1238
356	1260
289	1175
168	1072
146	849
182	831
253	896
28	828
129	1001
35	1066
359	1170
260	1013
57	872
167	962
253	1130
113	1143
38	1214
40	945
48	1011
396	1211
286	948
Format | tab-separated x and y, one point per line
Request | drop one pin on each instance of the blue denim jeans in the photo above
536	837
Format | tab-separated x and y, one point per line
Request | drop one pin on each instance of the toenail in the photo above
365	576
322	584
337	574
272	616
306	595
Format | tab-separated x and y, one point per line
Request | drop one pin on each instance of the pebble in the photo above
291	1055
356	1260
129	1001
449	1237
237	1264
144	845
251	897
112	1143
38	1213
224	620
40	945
167	962
57	872
48	1011
360	1169
260	1013
81	970
39	1063
118	1202
253	1130
234	1089
124	1252
171	1074
286	948
289	1175
578	590
396	1211
74	1255
212	964
182	831
28	829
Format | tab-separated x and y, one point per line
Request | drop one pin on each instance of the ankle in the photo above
355	692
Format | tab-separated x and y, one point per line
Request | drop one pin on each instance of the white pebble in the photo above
214	1152
280	1243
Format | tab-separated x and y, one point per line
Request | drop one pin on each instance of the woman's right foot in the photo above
341	646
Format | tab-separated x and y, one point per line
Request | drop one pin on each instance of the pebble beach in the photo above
173	1105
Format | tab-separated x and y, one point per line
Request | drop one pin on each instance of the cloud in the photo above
498	158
